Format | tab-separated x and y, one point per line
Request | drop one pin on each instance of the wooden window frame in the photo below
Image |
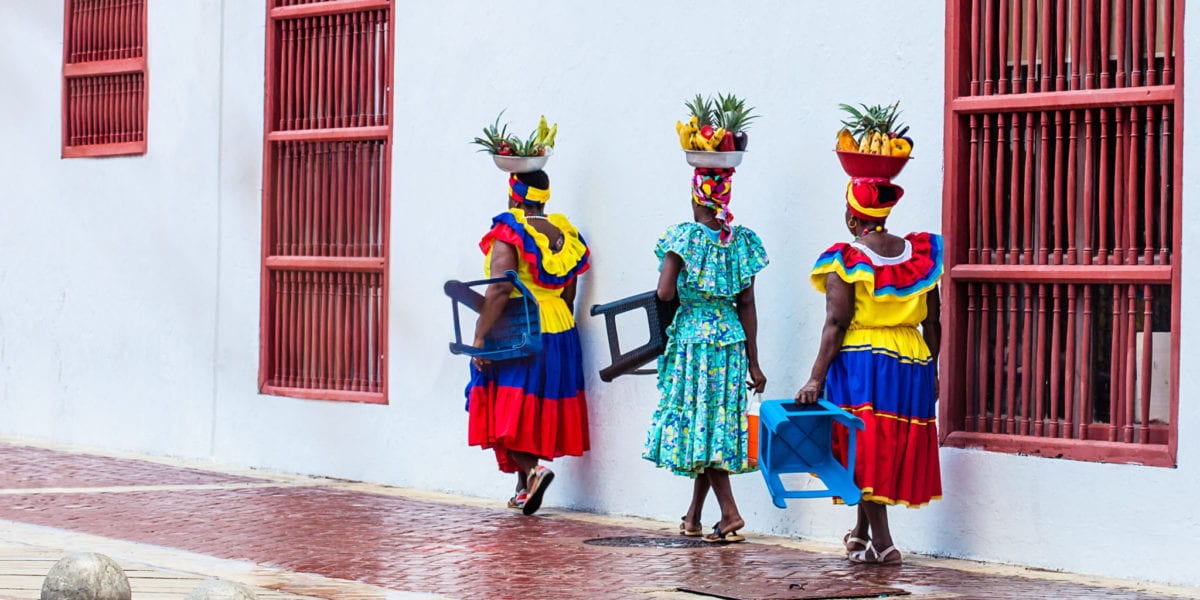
277	12
962	100
72	70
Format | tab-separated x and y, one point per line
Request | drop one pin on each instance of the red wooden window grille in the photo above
326	197
104	78
1062	223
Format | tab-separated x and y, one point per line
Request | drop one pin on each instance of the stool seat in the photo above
659	315
799	439
516	334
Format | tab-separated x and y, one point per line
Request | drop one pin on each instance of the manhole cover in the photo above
811	589
646	541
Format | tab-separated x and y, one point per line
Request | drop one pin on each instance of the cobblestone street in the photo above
301	537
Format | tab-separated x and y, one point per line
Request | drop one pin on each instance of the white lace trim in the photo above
883	261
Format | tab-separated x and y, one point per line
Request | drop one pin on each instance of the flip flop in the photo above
723	537
539	479
683	530
518	501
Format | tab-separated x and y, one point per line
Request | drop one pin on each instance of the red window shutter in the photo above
104	78
1062	216
326	198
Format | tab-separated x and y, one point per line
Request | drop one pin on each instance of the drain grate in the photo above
647	541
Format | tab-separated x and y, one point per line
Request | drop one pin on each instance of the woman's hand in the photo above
479	361
758	381
810	392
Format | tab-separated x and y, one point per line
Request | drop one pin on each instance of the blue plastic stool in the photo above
516	334
799	439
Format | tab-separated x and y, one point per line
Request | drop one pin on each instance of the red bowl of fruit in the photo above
862	164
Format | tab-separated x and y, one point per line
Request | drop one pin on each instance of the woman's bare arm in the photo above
839	312
931	327
668	276
748	315
504	258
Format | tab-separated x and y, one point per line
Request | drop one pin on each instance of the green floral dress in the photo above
700	421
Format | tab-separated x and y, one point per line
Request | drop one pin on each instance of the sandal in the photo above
849	540
871	556
718	536
518	501
683	528
539	479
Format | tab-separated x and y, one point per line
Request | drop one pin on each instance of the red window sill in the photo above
330	395
1152	455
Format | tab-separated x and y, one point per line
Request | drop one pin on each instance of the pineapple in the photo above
731	113
496	139
702	108
884	119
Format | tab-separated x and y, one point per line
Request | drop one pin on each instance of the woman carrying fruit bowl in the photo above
699	429
531	409
878	355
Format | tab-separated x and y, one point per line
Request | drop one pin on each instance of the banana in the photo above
874	144
685	135
718	135
543	130
865	143
885	146
551	135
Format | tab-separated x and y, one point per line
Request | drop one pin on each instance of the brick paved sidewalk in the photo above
331	536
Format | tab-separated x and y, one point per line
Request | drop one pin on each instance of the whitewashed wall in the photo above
129	303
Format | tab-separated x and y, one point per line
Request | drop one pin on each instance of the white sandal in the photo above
871	556
850	539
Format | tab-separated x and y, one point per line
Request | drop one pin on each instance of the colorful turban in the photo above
865	200
714	188
522	192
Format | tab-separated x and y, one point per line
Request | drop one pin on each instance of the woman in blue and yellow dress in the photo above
874	361
531	409
700	429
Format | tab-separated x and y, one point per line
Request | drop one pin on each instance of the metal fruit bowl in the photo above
861	164
702	159
521	164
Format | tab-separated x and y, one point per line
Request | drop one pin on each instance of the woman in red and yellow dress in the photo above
874	361
531	409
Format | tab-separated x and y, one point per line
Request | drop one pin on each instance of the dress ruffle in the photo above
549	268
891	282
713	268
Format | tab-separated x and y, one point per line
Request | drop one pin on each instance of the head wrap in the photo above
865	201
713	188
522	192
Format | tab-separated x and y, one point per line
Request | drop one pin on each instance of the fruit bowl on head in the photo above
521	164
863	164
703	159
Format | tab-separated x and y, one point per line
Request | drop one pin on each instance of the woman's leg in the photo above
525	462
861	530
691	520
882	549
731	519
881	535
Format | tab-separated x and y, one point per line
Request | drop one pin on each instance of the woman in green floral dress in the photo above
699	428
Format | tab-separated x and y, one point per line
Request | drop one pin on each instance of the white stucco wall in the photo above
129	317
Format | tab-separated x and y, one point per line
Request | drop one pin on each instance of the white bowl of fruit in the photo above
715	135
512	154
